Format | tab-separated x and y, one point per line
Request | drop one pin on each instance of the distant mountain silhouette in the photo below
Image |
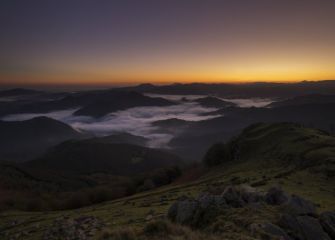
305	99
248	90
90	103
213	102
118	100
138	88
23	140
18	92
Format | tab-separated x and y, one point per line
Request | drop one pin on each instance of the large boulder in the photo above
303	227
233	197
183	210
226	206
207	200
250	195
205	208
299	206
291	203
291	225
276	196
327	220
311	228
196	212
268	231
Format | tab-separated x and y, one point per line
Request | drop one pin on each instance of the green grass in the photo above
272	155
132	211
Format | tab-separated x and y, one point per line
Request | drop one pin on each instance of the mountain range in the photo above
226	171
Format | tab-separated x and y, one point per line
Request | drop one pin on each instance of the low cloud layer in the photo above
138	120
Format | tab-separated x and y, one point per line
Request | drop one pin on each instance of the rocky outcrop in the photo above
195	212
296	218
81	228
268	230
303	227
299	206
276	196
184	210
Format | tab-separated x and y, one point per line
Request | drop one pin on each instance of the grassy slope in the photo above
270	154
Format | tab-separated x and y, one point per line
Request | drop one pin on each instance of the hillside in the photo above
283	145
90	155
94	103
80	173
299	159
123	137
196	138
24	140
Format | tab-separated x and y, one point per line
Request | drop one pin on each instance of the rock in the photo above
291	223
81	228
206	200
293	204
312	229
303	227
327	220
276	196
299	206
232	197
250	195
182	211
268	230
298	219
186	210
149	217
196	212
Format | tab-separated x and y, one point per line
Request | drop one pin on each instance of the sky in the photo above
102	42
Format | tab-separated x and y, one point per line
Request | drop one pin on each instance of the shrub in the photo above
217	154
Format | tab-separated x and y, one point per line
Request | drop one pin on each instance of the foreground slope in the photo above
195	139
300	160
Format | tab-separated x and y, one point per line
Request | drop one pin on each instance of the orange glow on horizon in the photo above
118	43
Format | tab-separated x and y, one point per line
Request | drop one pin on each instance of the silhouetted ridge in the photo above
22	140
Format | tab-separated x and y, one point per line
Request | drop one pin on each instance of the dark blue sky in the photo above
81	41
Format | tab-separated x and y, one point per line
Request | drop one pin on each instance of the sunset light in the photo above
122	42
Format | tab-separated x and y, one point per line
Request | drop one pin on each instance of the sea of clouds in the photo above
138	120
240	102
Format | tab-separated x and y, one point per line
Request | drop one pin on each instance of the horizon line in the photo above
133	84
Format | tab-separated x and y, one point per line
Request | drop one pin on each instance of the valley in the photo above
119	174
